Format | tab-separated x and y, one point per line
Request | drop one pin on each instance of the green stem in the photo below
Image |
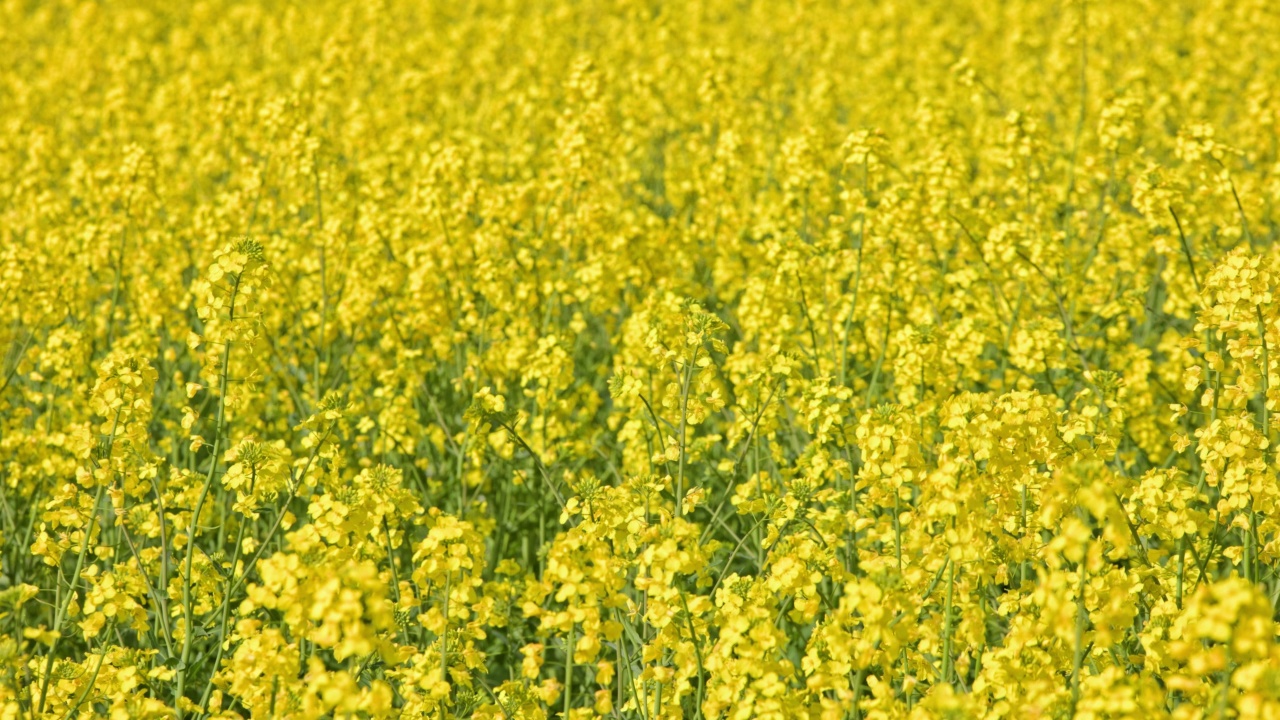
187	604
1082	618
93	680
66	602
568	671
1182	567
225	612
684	426
946	625
697	653
444	634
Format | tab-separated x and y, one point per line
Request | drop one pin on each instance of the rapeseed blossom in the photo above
641	360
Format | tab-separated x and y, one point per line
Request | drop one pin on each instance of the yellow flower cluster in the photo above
641	360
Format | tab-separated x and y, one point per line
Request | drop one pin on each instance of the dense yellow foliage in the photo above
634	359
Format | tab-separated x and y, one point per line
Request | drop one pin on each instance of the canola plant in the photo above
531	359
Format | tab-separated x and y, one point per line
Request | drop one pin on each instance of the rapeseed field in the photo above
639	359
